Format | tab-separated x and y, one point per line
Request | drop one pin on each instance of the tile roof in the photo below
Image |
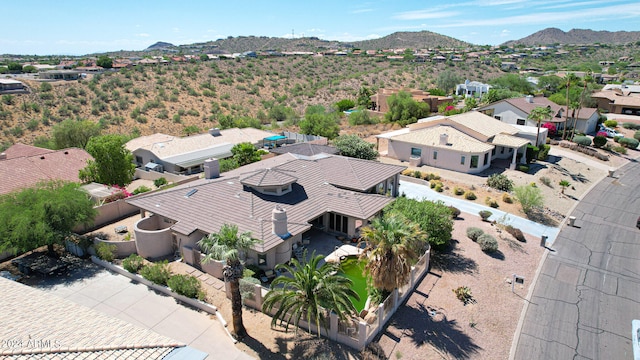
45	326
22	150
323	184
268	177
26	171
484	124
509	141
457	140
306	149
164	146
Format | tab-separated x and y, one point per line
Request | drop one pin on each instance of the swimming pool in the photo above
352	268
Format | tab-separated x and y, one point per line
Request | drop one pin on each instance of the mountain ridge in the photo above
576	36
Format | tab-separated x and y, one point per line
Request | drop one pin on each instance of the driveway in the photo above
117	296
417	191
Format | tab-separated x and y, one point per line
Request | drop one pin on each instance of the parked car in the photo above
610	132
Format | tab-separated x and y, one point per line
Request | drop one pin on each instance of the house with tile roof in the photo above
305	149
466	142
516	111
186	155
620	100
277	200
472	89
23	166
39	325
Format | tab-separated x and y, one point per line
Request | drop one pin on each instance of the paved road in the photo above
588	291
117	296
417	191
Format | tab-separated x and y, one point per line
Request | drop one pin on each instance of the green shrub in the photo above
463	293
524	168
458	190
516	233
438	187
157	273
611	123
186	285
488	243
433	183
617	138
491	202
470	195
582	140
106	252
599	141
417	174
636	135
507	198
619	149
545	180
543	154
159	182
629	143
500	182
531	153
485	214
630	125
474	233
529	197
141	189
455	212
133	263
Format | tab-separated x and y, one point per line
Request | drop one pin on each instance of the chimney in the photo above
214	132
211	168
279	222
444	139
529	99
3	156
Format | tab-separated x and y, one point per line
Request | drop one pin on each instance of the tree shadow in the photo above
263	351
536	167
427	327
451	261
539	216
575	177
515	245
74	270
498	255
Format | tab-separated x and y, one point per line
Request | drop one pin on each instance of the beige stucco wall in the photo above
153	237
123	248
446	159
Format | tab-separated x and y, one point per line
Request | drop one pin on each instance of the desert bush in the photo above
611	123
491	202
106	252
133	263
159	181
463	293
458	190
543	154
500	182
141	189
524	168
417	174
507	198
439	186
617	139
582	140
619	149
474	233
470	195
488	243
516	233
599	141
629	143
157	273
407	172
636	135
529	197
455	212
186	285
631	126
531	153
485	214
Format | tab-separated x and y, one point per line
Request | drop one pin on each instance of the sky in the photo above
71	27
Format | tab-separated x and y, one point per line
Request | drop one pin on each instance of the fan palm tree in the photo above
227	245
564	184
311	292
539	114
393	245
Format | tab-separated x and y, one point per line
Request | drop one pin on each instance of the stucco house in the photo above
379	100
472	89
621	100
23	166
516	111
466	142
186	155
276	199
8	86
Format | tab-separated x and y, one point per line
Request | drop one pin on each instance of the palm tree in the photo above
538	114
393	245
586	80
564	184
571	78
311	293
227	245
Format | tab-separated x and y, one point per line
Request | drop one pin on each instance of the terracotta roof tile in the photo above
22	150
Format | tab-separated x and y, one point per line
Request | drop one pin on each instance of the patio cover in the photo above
275	138
509	141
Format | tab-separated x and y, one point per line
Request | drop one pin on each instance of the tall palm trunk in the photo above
232	274
566	120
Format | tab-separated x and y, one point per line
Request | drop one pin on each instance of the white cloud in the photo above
505	33
348	37
424	14
315	30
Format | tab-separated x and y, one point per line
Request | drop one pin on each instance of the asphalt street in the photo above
588	290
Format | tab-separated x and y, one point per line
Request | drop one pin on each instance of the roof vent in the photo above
214	132
3	156
444	139
42	157
529	99
66	153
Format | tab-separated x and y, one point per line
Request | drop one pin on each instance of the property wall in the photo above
123	248
153	237
107	214
140	173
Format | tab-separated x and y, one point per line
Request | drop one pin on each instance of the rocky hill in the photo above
410	39
576	36
160	45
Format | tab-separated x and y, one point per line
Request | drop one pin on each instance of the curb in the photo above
200	305
523	313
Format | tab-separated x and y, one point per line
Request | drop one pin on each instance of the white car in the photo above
611	133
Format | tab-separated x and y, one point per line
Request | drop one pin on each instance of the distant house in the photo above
466	142
12	86
277	200
60	75
379	100
23	166
516	111
619	100
186	155
508	66
472	89
305	149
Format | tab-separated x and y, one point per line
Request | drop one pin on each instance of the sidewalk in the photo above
417	191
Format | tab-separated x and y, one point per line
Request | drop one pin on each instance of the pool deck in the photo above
344	250
328	245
